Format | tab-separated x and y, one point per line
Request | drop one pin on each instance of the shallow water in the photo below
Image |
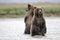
13	29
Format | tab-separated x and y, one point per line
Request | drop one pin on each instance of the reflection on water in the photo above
13	29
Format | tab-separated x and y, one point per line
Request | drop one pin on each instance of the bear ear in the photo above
29	6
34	7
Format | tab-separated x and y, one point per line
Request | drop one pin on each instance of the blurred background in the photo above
17	8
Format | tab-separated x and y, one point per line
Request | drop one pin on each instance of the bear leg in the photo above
27	31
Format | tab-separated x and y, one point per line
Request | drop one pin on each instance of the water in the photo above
13	29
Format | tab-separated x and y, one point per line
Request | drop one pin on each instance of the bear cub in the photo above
38	24
28	18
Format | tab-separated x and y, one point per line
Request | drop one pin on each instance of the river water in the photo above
13	29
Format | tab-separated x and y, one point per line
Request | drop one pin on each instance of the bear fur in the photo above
28	18
38	24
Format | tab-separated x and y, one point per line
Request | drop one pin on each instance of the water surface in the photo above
13	29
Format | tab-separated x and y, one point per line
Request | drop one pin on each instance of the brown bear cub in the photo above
28	18
38	25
